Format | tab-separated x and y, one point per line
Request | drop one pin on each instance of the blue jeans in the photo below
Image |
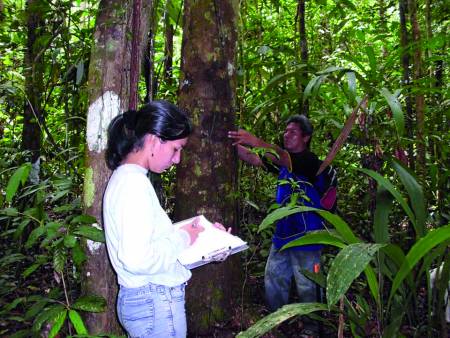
280	267
152	311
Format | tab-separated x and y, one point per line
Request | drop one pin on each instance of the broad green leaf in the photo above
317	237
415	194
276	215
32	268
91	232
70	241
331	69
275	318
372	281
390	187
312	87
11	259
275	81
381	217
351	82
340	225
90	304
417	252
77	322
59	260
372	60
80	72
346	267
78	254
9	212
47	315
19	176
57	323
396	109
34	235
36	308
83	219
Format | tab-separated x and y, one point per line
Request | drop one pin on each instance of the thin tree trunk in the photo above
304	108
206	178
109	89
33	65
168	48
406	78
419	97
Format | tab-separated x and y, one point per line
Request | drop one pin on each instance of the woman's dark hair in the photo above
304	124
127	131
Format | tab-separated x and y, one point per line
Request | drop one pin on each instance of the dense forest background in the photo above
280	57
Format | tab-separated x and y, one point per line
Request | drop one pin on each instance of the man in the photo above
297	167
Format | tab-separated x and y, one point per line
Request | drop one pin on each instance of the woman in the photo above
142	243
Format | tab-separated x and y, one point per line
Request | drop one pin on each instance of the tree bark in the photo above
419	96
168	48
206	178
109	89
33	66
304	107
406	78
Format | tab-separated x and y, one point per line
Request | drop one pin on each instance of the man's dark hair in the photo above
303	122
305	125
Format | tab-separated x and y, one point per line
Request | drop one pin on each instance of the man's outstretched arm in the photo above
243	139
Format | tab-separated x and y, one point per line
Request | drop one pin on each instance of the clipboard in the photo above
212	245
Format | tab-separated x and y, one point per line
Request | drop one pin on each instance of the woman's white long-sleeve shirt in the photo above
142	243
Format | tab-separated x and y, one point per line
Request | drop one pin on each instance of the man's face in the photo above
294	140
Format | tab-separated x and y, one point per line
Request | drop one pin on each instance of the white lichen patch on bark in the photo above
230	69
94	246
100	113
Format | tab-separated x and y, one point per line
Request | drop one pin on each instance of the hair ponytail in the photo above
127	131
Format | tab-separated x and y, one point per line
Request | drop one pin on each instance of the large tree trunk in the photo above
109	88
33	65
206	178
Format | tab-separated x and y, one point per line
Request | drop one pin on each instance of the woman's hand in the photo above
193	229
221	227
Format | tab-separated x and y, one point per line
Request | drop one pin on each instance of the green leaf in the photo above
90	304
415	193
70	241
78	255
381	217
57	323
11	259
47	315
276	215
34	235
19	176
275	318
317	237
77	322
32	268
91	232
346	267
390	187
83	219
59	259
12	212
396	109
351	81
417	252
372	60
